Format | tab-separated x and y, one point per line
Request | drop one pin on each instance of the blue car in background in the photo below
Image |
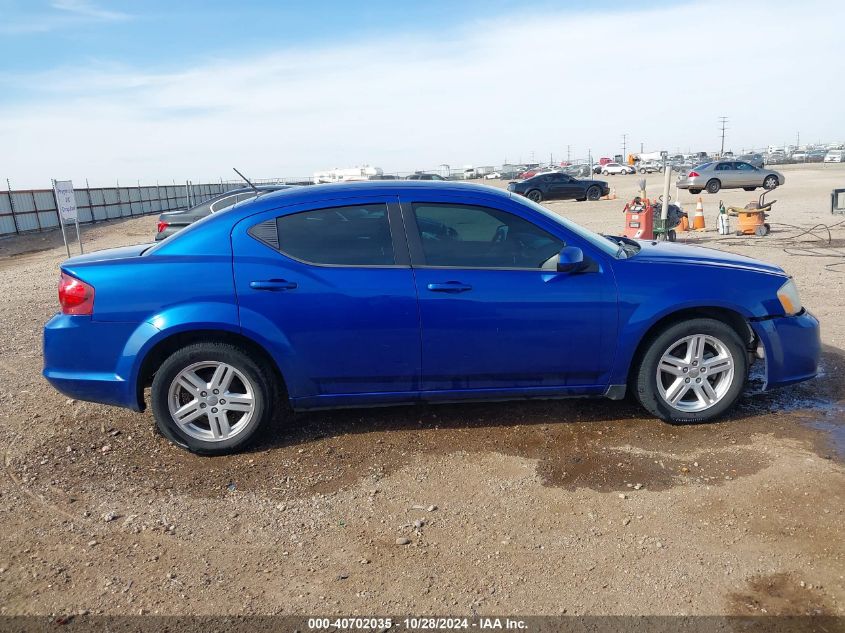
379	293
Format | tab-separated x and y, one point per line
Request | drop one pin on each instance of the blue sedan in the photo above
379	293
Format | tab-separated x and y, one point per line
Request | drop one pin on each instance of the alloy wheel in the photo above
695	373
211	401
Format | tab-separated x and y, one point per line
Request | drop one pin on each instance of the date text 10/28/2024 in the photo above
416	624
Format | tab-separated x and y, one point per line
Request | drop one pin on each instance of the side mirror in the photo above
570	260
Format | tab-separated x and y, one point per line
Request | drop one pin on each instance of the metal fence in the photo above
28	210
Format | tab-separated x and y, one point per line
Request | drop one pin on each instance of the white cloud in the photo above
495	89
86	9
67	13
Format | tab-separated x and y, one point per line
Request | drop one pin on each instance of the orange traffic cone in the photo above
698	220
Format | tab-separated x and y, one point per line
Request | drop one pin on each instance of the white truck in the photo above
347	174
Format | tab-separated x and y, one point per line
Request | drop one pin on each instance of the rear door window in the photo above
357	235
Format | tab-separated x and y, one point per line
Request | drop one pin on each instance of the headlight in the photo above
789	299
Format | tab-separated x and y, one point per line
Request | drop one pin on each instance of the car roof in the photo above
329	191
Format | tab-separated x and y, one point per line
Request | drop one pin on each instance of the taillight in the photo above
75	296
162	225
693	174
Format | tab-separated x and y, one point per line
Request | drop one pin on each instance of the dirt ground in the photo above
577	507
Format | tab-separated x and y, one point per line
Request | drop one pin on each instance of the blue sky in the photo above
42	34
158	90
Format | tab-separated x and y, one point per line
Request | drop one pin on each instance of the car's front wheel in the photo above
593	193
211	398
534	195
693	371
770	182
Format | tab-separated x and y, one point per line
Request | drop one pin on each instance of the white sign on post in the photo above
66	200
66	205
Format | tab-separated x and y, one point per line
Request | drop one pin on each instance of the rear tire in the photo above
534	195
224	395
605	173
676	357
713	186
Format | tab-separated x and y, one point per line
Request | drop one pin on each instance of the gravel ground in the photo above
577	507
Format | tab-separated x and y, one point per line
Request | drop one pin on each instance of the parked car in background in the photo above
424	176
171	222
816	156
577	171
493	175
616	168
649	167
835	156
529	173
726	174
798	156
377	293
510	174
559	186
753	159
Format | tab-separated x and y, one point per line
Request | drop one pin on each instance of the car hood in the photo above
674	253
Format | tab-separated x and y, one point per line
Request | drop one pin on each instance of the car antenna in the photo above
246	179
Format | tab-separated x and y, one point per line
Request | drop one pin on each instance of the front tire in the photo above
713	186
211	398
692	372
534	195
770	182
593	193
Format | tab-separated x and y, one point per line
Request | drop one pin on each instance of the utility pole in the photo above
568	153
798	139
624	148
723	120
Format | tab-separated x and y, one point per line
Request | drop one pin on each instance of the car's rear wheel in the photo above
593	193
693	371
770	182
713	186
605	173
211	398
534	195
642	171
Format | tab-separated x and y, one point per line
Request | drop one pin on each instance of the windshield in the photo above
608	246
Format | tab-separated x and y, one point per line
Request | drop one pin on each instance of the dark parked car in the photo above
754	159
379	293
421	176
559	186
171	222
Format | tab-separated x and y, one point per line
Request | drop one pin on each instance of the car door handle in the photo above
450	286
272	285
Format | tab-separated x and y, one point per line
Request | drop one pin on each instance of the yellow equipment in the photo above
751	219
